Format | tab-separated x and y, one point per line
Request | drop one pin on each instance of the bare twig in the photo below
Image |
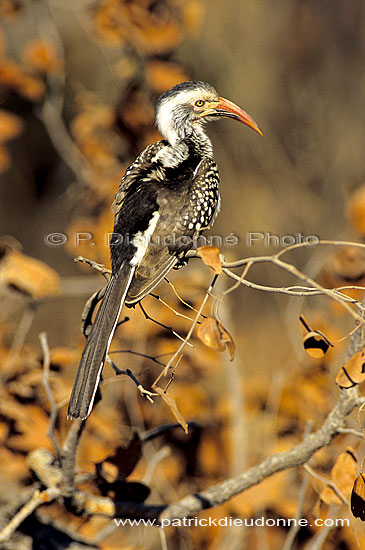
128	372
38	498
188	336
154	461
22	331
163	539
177	313
297	455
191	505
170	329
68	456
316	543
99	267
239	263
328	482
294	529
54	406
138	354
178	295
160	430
351	431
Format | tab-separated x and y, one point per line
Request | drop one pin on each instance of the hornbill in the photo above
166	198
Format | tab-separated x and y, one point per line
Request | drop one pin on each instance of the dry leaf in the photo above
31	430
5	161
211	257
356	210
62	356
162	75
316	344
213	334
358	498
346	266
173	407
353	372
155	35
28	275
124	458
193	14
9	9
42	56
10	125
14	77
328	496
343	472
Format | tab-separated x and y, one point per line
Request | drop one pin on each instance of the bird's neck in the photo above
196	144
199	143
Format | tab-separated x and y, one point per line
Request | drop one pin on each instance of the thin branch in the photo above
294	529
38	498
239	263
160	430
177	313
68	456
186	304
316	543
297	455
99	267
188	336
54	407
163	539
154	461
170	329
321	242
328	482
351	431
191	505
128	372
22	331
138	354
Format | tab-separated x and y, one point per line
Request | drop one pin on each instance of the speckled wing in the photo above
185	209
135	172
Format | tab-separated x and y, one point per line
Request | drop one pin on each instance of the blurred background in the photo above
78	85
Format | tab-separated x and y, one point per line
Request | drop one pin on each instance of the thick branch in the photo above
301	453
191	505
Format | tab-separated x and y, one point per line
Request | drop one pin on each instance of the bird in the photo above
167	197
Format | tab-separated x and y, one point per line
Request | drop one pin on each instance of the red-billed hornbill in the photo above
167	197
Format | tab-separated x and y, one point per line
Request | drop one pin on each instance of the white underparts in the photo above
170	157
141	240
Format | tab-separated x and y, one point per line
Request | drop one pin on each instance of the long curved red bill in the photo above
230	109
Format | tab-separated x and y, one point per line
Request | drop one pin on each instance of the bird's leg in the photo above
128	372
170	329
89	308
183	261
125	320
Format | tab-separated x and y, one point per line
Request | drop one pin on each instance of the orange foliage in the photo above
28	275
41	55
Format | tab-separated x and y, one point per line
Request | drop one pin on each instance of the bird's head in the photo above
184	108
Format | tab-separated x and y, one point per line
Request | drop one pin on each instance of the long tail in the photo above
97	344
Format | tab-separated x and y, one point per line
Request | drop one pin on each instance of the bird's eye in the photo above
199	103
